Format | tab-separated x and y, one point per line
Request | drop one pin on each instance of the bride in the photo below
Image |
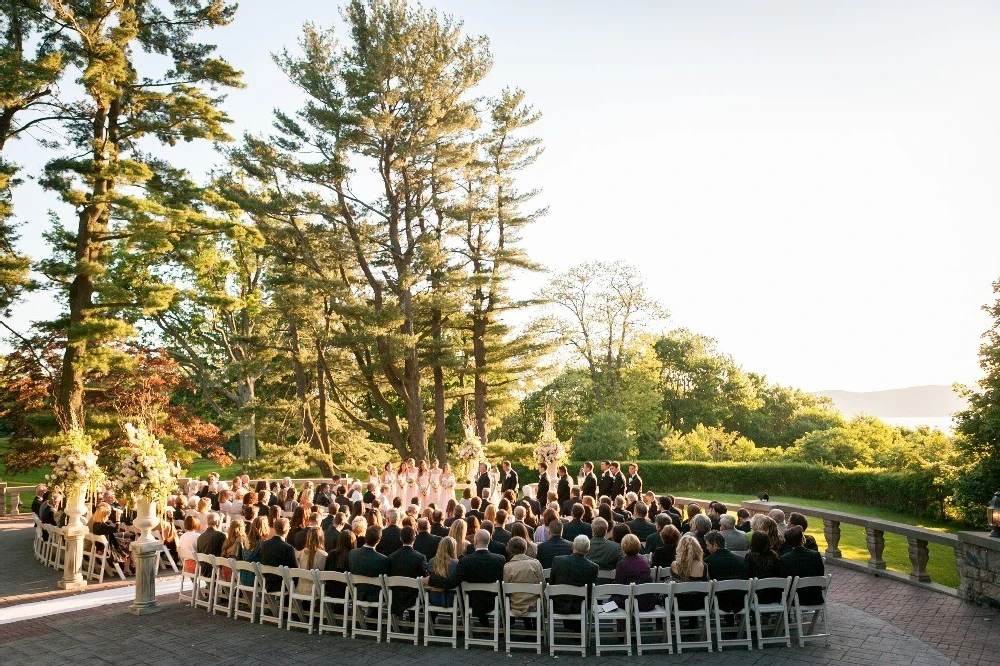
495	475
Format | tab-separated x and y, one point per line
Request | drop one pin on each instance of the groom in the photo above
482	481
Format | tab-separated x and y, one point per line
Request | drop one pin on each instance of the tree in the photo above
602	309
132	208
605	435
708	444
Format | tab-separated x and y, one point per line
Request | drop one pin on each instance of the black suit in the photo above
642	528
501	535
589	486
482	483
36	504
439	530
551	549
575	528
724	565
426	544
480	566
510	481
367	561
606	483
618	485
275	553
803	563
210	543
390	541
409	563
543	488
574	570
562	489
566	508
330	538
635	485
653	541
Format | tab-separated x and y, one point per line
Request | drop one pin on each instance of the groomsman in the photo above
607	481
634	480
562	488
543	483
589	485
618	485
509	478
482	481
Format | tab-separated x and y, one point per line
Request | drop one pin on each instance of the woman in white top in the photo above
447	486
401	487
423	484
373	476
434	494
187	543
389	479
311	557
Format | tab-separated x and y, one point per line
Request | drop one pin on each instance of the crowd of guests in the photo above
573	531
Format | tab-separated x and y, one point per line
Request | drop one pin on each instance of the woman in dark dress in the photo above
689	567
665	554
337	560
101	525
762	562
633	568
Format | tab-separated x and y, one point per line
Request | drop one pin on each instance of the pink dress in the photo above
447	489
434	495
389	479
424	489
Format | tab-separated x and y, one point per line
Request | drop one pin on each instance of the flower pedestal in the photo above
145	520
146	560
76	508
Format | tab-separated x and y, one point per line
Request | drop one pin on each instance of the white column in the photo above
146	560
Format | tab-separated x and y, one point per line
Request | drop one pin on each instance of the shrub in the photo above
605	435
708	444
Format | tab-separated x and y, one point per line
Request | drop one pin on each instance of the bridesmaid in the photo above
423	484
435	492
373	477
389	479
411	483
447	485
402	488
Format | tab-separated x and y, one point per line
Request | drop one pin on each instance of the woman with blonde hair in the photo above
688	566
168	535
236	540
457	531
769	527
442	567
260	530
101	525
491	514
313	556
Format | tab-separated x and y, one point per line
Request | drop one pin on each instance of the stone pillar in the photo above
918	558
876	546
3	499
145	577
75	528
831	530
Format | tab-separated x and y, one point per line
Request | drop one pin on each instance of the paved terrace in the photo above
873	621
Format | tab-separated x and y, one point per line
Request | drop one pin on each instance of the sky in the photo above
815	185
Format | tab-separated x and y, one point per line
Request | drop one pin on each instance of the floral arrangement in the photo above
75	465
472	448
549	449
144	472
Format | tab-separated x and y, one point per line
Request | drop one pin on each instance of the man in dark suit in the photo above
618	480
480	566
482	480
641	527
437	527
407	562
607	480
322	497
390	542
459	515
39	498
543	483
425	543
634	484
366	561
341	498
562	486
499	533
576	527
332	533
574	569
803	563
589	485
566	508
474	505
210	542
494	546
653	541
510	480
554	546
276	553
722	564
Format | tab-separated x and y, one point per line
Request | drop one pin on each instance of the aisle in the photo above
77	602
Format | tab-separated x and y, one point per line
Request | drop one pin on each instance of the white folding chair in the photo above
300	609
204	583
39	541
101	555
247	590
537	614
48	543
434	612
744	636
164	553
779	609
603	614
658	618
329	620
580	594
189	570
360	607
398	626
701	616
479	634
606	576
546	575
223	573
272	606
814	611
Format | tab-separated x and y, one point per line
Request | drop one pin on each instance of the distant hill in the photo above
913	401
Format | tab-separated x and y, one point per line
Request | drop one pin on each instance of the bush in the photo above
708	444
605	435
519	455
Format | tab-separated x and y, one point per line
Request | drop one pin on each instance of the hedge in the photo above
918	493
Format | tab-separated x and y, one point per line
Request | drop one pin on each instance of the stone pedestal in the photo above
75	528
979	568
145	577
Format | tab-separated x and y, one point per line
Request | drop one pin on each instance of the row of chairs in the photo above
239	590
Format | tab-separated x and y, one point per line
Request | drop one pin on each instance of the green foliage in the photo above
279	460
605	435
864	441
708	443
519	455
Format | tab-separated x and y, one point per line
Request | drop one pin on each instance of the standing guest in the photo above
607	480
735	539
743	521
367	561
275	552
313	556
408	562
339	560
633	568
543	481
424	542
803	563
604	553
639	526
522	569
653	541
210	542
555	545
618	487
389	479
589	486
187	544
634	483
722	564
576	570
576	526
562	486
762	562
665	554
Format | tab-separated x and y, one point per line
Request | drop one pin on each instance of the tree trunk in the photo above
416	434
324	432
309	433
480	385
248	435
440	442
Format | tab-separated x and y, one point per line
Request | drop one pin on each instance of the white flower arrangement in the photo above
75	465
448	483
410	481
472	448
549	449
144	471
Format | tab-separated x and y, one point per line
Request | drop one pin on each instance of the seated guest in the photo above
289	503
633	568
700	526
187	544
605	554
466	501
437	524
474	505
235	544
459	531
180	505
168	535
692	511
101	525
408	562
425	543
500	532
639	526
688	566
555	545
442	567
542	531
798	520
337	524
312	556
778	516
39	498
259	532
573	569
249	515
458	513
743	521
210	542
389	542
367	561
767	525
665	554
299	542
619	531
735	539
481	566
522	569
715	511
653	541
574	498
802	563
276	553
762	562
226	501
576	526
722	564
339	560
521	530
495	547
